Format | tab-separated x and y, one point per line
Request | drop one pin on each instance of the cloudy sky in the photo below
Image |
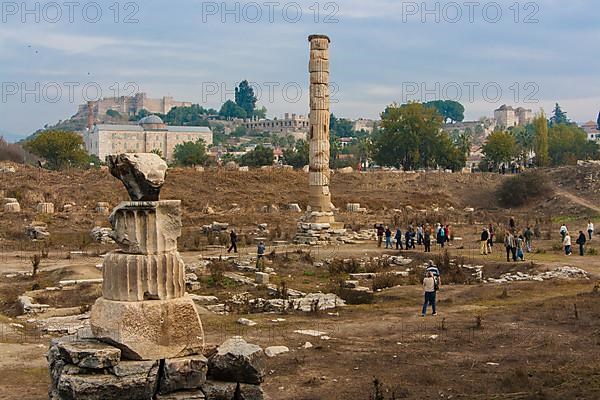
55	55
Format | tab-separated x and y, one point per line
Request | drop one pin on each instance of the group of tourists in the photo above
422	235
582	239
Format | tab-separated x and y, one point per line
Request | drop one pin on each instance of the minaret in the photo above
90	115
319	174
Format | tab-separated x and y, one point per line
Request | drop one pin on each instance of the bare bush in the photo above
523	189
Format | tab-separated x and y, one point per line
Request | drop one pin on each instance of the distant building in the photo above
131	105
294	125
151	133
591	128
363	124
508	117
475	158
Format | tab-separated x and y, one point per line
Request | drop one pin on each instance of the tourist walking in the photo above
233	238
492	234
528	235
398	239
563	231
427	240
590	229
485	235
567	244
520	243
388	238
408	239
420	235
430	286
509	243
441	236
260	256
380	232
581	240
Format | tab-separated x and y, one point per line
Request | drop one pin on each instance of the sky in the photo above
56	55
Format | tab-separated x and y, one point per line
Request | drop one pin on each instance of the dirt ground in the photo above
519	340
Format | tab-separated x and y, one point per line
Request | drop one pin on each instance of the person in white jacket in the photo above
567	244
590	229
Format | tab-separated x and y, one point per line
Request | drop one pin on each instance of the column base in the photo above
149	330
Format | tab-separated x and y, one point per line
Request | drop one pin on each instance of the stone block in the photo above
238	361
45	208
149	330
183	373
147	227
132	380
89	354
353	207
134	277
294	207
143	174
183	395
215	390
276	350
261	278
12	208
103	208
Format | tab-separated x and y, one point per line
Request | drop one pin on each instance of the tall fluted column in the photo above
319	175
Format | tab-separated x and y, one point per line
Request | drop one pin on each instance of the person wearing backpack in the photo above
485	235
430	286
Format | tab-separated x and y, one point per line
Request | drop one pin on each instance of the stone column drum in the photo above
144	310
319	173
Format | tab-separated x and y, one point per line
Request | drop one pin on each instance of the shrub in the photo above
523	189
387	280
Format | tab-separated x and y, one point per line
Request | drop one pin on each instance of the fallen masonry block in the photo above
45	208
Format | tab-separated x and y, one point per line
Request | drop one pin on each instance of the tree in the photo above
410	137
258	157
261	113
239	131
450	110
231	110
341	127
298	156
462	140
568	143
187	116
598	122
190	153
500	147
362	149
113	114
525	139
59	148
158	152
244	98
540	127
448	155
559	116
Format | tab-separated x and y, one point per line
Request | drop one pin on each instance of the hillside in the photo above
238	197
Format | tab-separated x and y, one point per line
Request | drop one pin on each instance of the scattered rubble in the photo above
102	235
558	273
